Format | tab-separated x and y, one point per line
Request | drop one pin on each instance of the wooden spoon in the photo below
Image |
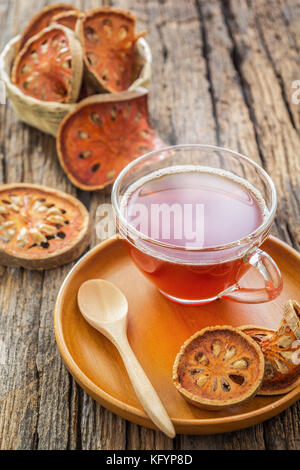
105	308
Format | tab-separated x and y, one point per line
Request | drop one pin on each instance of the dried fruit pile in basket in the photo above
108	46
223	366
65	56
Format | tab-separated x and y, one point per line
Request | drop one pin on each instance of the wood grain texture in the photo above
222	74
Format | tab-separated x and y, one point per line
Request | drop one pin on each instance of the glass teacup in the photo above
193	217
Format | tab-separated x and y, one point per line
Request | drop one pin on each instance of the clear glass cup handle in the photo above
271	275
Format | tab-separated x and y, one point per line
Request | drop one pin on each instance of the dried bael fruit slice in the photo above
49	67
42	20
40	228
218	367
291	314
282	354
68	19
109	45
102	135
258	333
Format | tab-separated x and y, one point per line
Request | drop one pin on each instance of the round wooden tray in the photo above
156	330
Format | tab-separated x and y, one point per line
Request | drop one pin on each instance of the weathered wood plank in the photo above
277	140
19	383
20	297
49	418
282	47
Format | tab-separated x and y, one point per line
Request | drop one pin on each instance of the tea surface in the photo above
232	207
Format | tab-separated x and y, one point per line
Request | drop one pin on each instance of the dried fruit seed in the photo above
229	353
53	210
14	207
225	385
8	235
17	200
284	342
56	219
37	236
287	355
200	357
41	209
22	238
48	229
269	371
281	367
216	348
7	224
241	364
202	380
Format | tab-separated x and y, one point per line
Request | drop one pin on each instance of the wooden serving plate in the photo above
157	328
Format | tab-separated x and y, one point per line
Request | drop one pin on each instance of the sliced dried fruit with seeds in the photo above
102	135
68	19
109	43
291	313
49	67
281	350
42	20
218	367
258	333
29	239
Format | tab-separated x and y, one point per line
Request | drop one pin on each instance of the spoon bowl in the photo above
111	303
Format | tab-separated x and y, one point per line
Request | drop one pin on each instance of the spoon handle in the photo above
145	390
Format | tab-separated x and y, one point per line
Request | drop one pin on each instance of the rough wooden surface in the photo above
223	73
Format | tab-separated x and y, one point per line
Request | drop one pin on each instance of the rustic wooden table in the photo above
222	73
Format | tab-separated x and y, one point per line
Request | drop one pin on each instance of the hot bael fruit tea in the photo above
191	207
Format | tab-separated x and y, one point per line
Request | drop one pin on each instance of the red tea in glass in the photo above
232	210
191	229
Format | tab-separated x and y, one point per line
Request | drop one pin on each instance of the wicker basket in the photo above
46	116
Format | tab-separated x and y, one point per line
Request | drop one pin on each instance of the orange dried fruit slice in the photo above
68	19
109	41
49	67
218	367
40	228
258	333
291	315
42	20
281	350
102	135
